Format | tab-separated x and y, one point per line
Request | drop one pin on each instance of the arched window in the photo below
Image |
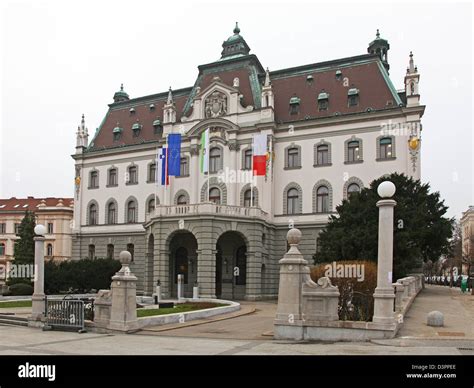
92	214
353	188
94	180
322	199
112	178
248	195
111	213
247	159
91	251
386	148
215	195
182	200
132	175
184	166
293	157
215	159
49	250
2	249
131	212
131	249
110	251
151	205
152	172
292	200
353	151
323	154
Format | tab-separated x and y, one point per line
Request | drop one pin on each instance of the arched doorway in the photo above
231	266
149	265
183	261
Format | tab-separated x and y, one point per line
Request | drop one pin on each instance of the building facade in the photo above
467	233
56	214
332	127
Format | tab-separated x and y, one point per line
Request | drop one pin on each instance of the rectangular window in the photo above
152	173
113	177
50	228
17	228
94	180
3	228
293	158
132	175
248	160
2	249
323	154
353	154
386	148
184	170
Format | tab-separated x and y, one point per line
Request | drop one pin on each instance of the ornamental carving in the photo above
216	105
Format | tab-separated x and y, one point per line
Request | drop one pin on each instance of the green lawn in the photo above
179	308
15	303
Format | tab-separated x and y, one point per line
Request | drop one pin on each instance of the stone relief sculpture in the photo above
215	105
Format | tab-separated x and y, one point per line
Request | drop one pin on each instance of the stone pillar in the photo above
290	299
206	272
123	314
195	174
253	289
384	295
38	298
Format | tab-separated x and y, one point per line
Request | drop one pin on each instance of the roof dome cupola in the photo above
121	95
235	45
380	47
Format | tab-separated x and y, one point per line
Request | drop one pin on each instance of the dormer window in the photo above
117	132
132	111
158	127
353	97
152	107
309	79
295	105
136	129
338	75
323	101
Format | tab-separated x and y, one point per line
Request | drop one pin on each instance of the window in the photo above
322	199
132	175
50	228
2	249
112	178
49	250
94	180
91	251
117	136
215	159
136	129
293	157
247	160
93	214
151	205
386	148
353	97
110	251
182	200
3	228
131	212
215	195
353	151
323	154
295	105
352	188
112	213
247	196
292	201
17	228
152	172
323	101
131	249
184	167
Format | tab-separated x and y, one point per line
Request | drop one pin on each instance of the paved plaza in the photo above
249	332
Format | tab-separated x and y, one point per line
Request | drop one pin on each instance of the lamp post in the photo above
37	313
384	294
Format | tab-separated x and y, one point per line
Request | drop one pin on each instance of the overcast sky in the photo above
60	59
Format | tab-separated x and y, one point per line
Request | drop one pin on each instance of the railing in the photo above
207	208
66	314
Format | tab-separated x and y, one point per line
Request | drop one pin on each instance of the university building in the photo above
332	127
56	214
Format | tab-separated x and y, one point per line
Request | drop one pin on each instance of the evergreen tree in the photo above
421	232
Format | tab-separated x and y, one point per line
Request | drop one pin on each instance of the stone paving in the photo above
250	334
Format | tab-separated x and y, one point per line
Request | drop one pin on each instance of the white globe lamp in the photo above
386	189
40	230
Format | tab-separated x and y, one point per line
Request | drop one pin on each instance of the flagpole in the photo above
251	170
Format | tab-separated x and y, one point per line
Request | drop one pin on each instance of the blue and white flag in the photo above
162	169
174	154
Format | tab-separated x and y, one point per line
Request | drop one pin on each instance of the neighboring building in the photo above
56	214
332	128
467	231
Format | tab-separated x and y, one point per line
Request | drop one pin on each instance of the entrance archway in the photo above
183	261
231	266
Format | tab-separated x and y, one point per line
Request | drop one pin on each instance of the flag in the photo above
204	158
162	166
158	166
174	154
259	154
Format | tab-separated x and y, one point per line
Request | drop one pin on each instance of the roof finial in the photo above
267	77
121	87
377	34
170	96
236	29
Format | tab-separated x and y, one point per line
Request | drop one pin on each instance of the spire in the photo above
411	66
83	123
377	35
236	29
170	96
380	47
412	79
82	136
267	78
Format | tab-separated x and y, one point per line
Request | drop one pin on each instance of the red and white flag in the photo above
260	154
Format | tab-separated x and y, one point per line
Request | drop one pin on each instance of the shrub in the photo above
21	289
79	276
356	302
